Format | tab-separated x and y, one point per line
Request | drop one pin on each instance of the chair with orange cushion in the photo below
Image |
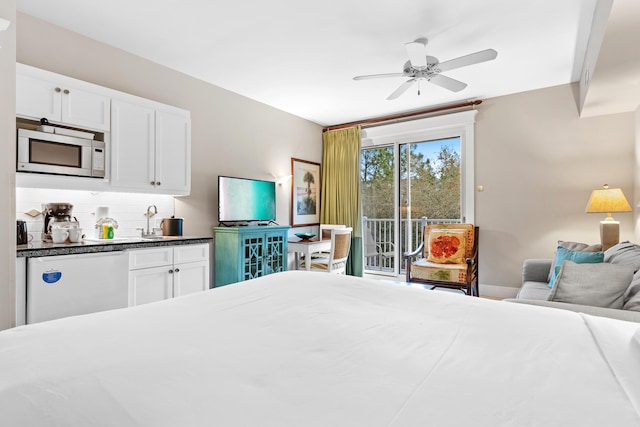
446	258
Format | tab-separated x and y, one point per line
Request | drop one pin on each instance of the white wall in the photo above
636	168
7	164
538	163
231	134
127	209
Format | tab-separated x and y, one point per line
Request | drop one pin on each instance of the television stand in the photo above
242	253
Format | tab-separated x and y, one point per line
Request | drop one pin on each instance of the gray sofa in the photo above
536	275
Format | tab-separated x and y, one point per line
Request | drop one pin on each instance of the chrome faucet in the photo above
155	211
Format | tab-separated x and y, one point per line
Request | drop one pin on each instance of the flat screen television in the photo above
246	200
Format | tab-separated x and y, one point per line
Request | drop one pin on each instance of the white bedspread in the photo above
315	349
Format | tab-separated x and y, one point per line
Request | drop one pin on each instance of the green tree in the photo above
435	182
376	171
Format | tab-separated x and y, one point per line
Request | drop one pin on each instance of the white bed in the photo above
314	349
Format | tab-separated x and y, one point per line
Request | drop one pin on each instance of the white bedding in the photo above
315	349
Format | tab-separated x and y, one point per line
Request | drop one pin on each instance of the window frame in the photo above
459	124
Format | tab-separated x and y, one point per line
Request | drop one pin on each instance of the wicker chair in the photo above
336	261
448	259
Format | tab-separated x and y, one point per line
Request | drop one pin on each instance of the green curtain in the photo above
340	197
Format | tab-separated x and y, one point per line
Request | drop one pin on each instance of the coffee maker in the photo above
57	215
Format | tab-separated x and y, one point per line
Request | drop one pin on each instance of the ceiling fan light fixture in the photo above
416	51
423	67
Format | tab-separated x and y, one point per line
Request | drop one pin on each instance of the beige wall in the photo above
538	163
636	171
7	164
231	134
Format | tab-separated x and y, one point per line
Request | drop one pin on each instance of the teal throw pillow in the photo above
578	257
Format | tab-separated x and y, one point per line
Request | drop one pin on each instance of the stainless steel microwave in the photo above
58	154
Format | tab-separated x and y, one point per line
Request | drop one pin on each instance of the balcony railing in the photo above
380	252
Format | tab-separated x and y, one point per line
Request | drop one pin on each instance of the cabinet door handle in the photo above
170	271
57	89
177	270
158	183
153	183
66	91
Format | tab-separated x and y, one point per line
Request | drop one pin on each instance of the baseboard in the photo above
498	292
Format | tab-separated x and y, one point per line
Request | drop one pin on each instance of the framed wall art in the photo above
305	193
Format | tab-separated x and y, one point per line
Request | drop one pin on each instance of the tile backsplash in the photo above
128	209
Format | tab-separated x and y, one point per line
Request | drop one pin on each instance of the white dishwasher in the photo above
67	285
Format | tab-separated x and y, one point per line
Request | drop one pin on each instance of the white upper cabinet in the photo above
60	99
148	143
133	146
151	147
173	153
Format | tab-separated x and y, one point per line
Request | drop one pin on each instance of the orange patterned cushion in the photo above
469	228
447	246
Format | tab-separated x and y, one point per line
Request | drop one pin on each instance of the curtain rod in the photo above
404	115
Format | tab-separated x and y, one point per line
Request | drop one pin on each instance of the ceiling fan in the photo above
420	67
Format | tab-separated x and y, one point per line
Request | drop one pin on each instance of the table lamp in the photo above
608	200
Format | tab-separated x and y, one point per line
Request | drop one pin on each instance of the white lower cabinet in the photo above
167	272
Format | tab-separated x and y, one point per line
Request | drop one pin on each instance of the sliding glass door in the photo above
404	184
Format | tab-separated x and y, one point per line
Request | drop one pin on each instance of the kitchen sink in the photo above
154	237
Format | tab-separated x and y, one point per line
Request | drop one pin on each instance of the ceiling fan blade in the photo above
417	54
447	83
403	87
375	76
472	58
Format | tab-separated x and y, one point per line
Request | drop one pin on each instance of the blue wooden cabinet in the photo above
243	253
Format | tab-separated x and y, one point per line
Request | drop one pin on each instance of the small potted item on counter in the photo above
105	228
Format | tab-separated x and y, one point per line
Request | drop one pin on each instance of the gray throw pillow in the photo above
624	253
576	246
582	247
598	285
632	294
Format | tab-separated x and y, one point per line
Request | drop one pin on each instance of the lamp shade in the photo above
608	200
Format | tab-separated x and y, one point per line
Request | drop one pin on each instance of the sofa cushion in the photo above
534	290
579	247
632	294
536	270
624	253
563	254
598	285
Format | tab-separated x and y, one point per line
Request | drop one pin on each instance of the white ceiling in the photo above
300	57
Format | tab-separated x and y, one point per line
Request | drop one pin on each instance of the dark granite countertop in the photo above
39	249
